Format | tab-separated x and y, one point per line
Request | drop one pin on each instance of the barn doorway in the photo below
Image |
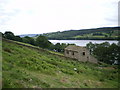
83	53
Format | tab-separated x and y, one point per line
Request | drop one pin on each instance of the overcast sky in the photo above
42	16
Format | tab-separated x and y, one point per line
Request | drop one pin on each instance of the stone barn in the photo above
79	53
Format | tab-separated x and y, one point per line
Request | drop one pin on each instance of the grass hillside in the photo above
25	67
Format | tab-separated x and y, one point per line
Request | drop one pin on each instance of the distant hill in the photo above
30	35
96	33
104	33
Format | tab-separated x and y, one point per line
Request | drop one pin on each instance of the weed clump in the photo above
7	50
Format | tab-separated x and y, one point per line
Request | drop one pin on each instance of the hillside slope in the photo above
96	33
25	67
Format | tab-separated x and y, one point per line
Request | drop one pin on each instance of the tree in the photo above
63	46
119	43
105	52
101	53
42	41
58	47
29	40
114	54
90	46
105	44
18	38
9	35
51	47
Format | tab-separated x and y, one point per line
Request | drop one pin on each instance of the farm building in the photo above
79	53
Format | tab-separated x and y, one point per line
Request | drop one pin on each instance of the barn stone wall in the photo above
79	53
71	54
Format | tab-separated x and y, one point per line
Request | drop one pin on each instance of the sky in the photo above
43	16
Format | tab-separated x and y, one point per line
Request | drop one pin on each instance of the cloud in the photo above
41	16
6	13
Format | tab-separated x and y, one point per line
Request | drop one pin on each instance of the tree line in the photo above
105	52
40	41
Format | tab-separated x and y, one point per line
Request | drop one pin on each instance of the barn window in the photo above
72	53
83	53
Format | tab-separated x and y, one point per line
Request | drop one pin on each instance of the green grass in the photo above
52	52
25	67
91	36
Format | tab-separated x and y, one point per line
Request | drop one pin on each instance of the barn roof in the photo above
74	48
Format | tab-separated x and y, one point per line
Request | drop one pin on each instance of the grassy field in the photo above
25	67
91	36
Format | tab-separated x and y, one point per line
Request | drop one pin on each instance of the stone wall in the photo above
71	54
82	54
